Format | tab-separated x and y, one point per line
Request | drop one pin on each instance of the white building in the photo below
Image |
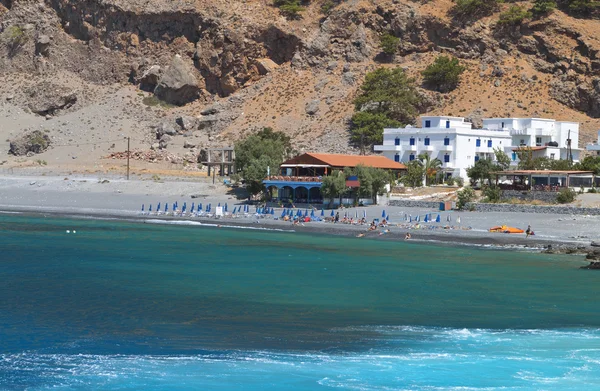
458	146
545	137
595	147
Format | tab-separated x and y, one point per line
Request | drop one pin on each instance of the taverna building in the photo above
458	146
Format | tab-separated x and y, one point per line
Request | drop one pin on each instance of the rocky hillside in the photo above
206	72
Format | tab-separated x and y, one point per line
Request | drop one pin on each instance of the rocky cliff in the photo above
236	66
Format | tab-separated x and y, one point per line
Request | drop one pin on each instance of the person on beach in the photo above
407	236
528	232
337	217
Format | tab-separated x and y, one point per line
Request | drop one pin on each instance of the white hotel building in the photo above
458	146
595	147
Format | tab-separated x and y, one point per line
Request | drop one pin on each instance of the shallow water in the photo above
121	305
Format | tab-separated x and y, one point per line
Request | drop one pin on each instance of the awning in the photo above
304	165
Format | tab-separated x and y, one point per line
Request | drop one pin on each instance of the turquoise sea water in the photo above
132	306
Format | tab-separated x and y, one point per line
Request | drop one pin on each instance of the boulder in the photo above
206	121
42	45
498	71
265	65
29	144
312	107
165	128
150	78
49	104
187	144
178	85
187	122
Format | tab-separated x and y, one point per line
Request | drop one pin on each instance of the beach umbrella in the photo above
383	214
410	218
387	218
185	205
332	213
192	208
234	209
418	218
142	207
426	218
207	208
448	218
438	219
183	208
299	213
225	208
158	207
175	205
365	214
166	207
312	214
199	207
291	212
219	204
306	212
322	212
149	208
272	211
283	213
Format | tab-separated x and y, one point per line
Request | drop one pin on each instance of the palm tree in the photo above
430	166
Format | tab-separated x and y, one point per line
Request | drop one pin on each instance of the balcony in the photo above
521	132
388	148
448	165
428	148
448	148
412	148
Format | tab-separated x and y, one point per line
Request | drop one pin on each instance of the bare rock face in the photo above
583	96
187	122
265	65
178	85
32	142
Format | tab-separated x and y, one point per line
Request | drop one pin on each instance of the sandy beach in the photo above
115	197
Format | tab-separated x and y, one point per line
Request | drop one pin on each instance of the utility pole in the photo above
128	153
214	176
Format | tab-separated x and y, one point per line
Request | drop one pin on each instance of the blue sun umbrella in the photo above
306	212
219	204
192	208
299	214
332	213
234	210
438	219
383	214
291	212
149	208
387	218
142	207
322	212
272	211
158	207
183	208
312	214
426	218
410	218
283	213
166	207
418	219
199	207
175	205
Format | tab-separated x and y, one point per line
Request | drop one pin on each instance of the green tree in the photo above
367	128
514	16
589	163
481	172
542	7
389	92
585	8
464	196
502	159
414	174
566	196
443	74
389	43
333	186
257	152
525	155
492	193
430	167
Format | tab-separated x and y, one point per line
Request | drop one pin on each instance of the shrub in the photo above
592	190
443	74
514	16
542	7
290	8
474	8
389	43
327	6
459	181
581	7
492	193
565	196
16	37
465	196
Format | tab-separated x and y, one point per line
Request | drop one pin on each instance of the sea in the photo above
114	305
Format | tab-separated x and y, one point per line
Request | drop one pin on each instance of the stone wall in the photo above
482	207
544	196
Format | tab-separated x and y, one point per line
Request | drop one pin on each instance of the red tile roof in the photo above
341	161
529	148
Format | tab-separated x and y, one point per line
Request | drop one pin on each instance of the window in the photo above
489	143
502	125
446	141
427	123
447	124
552	156
446	158
426	140
397	158
522	142
411	157
412	141
476	158
478	143
397	141
514	156
538	141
